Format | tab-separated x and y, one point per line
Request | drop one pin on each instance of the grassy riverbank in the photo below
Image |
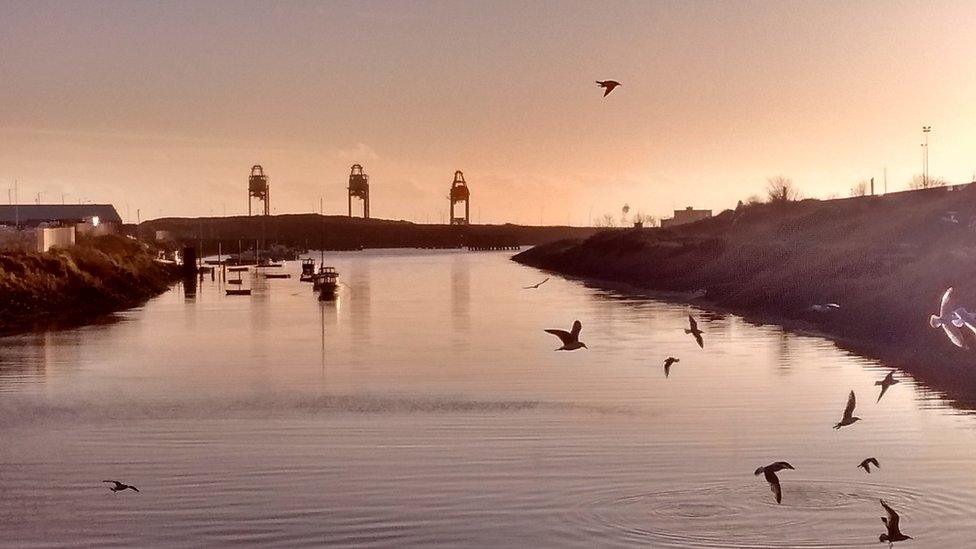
885	260
96	276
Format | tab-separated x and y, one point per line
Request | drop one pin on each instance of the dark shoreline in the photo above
769	263
82	285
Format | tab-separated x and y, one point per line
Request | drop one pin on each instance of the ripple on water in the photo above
813	514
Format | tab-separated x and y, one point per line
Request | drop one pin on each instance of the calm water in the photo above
427	407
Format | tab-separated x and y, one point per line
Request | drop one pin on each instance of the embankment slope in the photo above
886	261
73	285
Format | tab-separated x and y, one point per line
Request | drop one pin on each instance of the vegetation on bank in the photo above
886	260
96	276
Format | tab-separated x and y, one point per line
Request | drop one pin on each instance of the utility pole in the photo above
16	207
872	186
925	160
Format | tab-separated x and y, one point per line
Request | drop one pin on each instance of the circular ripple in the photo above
813	514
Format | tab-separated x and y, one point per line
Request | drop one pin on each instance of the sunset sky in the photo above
164	106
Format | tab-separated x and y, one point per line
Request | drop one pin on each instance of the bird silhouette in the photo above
570	339
888	381
947	320
849	417
769	471
609	85
891	523
866	464
534	286
119	486
667	365
693	330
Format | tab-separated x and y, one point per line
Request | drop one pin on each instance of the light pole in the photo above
63	196
925	160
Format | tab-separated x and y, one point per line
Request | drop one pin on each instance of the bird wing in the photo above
543	282
115	482
884	387
892	522
563	335
667	369
134	488
698	338
780	465
944	307
577	328
954	335
607	92
692	324
851	402
873	461
776	489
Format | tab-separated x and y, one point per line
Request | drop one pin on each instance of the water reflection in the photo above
428	394
460	293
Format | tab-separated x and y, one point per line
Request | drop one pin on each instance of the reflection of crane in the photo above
359	187
257	187
460	193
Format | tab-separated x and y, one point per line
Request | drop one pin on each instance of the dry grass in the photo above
885	260
98	275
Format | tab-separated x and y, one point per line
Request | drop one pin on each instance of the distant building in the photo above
687	215
32	215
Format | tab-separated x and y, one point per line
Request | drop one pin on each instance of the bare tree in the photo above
781	189
921	182
606	220
861	189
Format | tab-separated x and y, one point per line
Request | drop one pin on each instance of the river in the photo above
426	407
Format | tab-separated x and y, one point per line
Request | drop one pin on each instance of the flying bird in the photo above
891	523
534	286
769	472
667	365
608	84
849	417
119	486
824	307
866	464
888	381
693	330
570	339
947	320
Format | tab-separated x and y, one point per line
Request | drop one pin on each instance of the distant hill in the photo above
885	260
341	232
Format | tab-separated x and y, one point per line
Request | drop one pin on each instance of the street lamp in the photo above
925	155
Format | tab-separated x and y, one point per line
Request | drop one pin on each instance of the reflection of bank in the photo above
31	358
460	291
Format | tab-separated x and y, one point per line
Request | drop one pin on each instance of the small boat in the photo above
237	269
235	281
278	275
326	283
238	291
264	264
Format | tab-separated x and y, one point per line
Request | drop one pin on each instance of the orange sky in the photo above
164	106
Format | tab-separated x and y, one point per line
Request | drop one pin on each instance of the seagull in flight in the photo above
570	339
866	464
769	472
693	330
947	319
891	523
120	486
667	365
849	417
534	286
608	84
888	381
